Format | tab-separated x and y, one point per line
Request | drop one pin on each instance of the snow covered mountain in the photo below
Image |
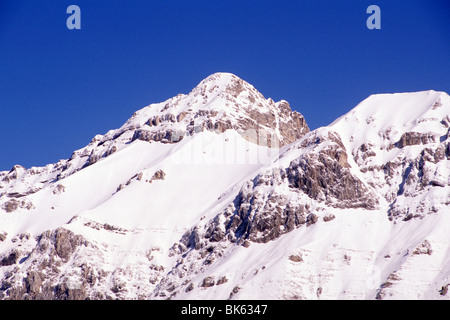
224	194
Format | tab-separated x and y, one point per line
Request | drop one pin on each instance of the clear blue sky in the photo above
60	87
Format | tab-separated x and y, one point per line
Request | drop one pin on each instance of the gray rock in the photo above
10	258
208	282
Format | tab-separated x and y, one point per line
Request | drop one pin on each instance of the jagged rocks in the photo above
10	258
110	151
444	290
423	248
208	282
59	189
15	172
295	125
64	291
159	175
141	176
33	282
190	287
415	138
10	206
255	217
93	158
311	219
221	280
261	214
295	258
41	280
65	242
104	226
170	136
326	176
329	217
234	292
13	205
181	116
191	239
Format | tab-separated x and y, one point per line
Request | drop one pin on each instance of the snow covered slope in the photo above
224	194
356	210
400	142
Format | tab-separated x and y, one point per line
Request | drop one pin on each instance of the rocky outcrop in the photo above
218	107
416	138
158	175
327	176
10	258
13	205
15	172
169	136
65	242
423	248
41	278
257	218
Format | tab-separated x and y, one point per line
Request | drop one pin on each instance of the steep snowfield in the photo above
224	194
382	120
351	257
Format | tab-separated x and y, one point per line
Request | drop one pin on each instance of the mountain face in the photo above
224	194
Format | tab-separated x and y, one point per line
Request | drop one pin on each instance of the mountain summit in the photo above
223	194
220	102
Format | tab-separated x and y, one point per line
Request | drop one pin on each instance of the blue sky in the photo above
60	87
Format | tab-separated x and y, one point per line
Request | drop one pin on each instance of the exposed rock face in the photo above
65	242
415	138
63	265
13	204
423	248
256	216
52	251
327	176
223	102
159	175
208	282
10	258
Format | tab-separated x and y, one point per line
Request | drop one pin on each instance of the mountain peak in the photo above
226	86
223	77
220	102
220	78
384	118
226	83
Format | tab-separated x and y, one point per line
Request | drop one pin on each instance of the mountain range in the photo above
222	193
